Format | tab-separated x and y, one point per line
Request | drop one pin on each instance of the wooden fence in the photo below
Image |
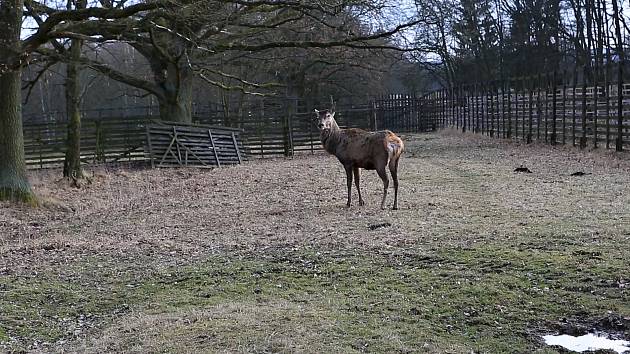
102	140
273	128
556	114
269	128
176	145
282	127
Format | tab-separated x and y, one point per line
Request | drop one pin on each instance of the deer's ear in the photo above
332	114
316	111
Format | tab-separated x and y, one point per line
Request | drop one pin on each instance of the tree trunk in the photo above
176	103
72	163
620	52
14	184
176	109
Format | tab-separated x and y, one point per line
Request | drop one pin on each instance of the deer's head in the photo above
325	120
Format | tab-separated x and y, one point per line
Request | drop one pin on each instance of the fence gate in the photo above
175	145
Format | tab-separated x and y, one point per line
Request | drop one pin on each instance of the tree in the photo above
14	54
14	184
434	36
198	36
72	163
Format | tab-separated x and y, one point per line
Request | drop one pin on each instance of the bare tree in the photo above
14	54
197	37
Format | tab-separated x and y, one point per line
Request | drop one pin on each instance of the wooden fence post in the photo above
373	125
491	108
471	108
538	107
531	110
619	144
475	94
310	123
503	117
547	88
517	87
465	108
458	107
453	105
554	108
99	154
583	137
607	98
484	108
564	107
294	110
482	100
595	105
574	106
509	108
443	103
447	107
488	103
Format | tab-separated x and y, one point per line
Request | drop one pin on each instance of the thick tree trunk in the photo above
176	109
72	164
176	103
14	184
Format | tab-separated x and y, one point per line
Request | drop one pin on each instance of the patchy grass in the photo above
479	258
485	299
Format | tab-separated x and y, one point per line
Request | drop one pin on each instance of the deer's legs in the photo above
393	168
349	180
383	174
357	178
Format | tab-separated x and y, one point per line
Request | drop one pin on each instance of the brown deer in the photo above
357	148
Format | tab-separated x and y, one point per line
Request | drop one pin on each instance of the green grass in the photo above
486	298
478	258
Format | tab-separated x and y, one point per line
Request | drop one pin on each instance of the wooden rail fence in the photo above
105	140
555	114
279	128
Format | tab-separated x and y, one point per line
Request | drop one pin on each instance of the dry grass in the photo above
458	192
246	327
462	190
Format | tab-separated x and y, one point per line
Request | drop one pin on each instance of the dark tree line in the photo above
497	39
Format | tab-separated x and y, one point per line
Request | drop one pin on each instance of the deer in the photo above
357	148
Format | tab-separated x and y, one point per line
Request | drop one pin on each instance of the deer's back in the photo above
367	149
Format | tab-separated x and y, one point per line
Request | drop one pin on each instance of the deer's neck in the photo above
331	138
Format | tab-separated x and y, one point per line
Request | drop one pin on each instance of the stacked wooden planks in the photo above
171	144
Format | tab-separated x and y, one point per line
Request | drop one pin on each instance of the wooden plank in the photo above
168	149
238	153
216	156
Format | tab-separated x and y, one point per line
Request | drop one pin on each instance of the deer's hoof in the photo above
361	203
395	208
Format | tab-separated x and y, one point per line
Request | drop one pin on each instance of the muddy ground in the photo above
265	257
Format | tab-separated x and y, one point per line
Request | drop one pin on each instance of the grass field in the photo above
265	257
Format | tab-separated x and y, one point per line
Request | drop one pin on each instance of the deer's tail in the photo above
395	147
